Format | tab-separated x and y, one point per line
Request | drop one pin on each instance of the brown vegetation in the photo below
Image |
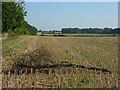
60	62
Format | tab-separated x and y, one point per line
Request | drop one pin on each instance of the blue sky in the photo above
58	15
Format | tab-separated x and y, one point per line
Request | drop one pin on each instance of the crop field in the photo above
60	62
80	35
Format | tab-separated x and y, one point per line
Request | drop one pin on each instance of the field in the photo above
80	35
61	62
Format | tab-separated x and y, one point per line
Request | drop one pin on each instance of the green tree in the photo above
12	15
13	19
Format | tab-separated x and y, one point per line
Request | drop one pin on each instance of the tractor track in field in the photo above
46	68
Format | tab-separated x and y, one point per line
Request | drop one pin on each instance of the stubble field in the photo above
60	62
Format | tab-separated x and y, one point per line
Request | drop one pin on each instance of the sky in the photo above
57	15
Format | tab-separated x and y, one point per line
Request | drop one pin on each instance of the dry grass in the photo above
37	50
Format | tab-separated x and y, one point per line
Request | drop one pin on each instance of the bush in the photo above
11	33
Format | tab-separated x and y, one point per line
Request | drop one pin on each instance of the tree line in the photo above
13	21
91	30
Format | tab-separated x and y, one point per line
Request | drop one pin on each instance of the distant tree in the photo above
116	31
39	30
91	30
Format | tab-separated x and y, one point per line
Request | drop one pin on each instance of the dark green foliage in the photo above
26	29
12	15
91	30
13	19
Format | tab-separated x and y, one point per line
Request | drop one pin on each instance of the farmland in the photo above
80	35
37	51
